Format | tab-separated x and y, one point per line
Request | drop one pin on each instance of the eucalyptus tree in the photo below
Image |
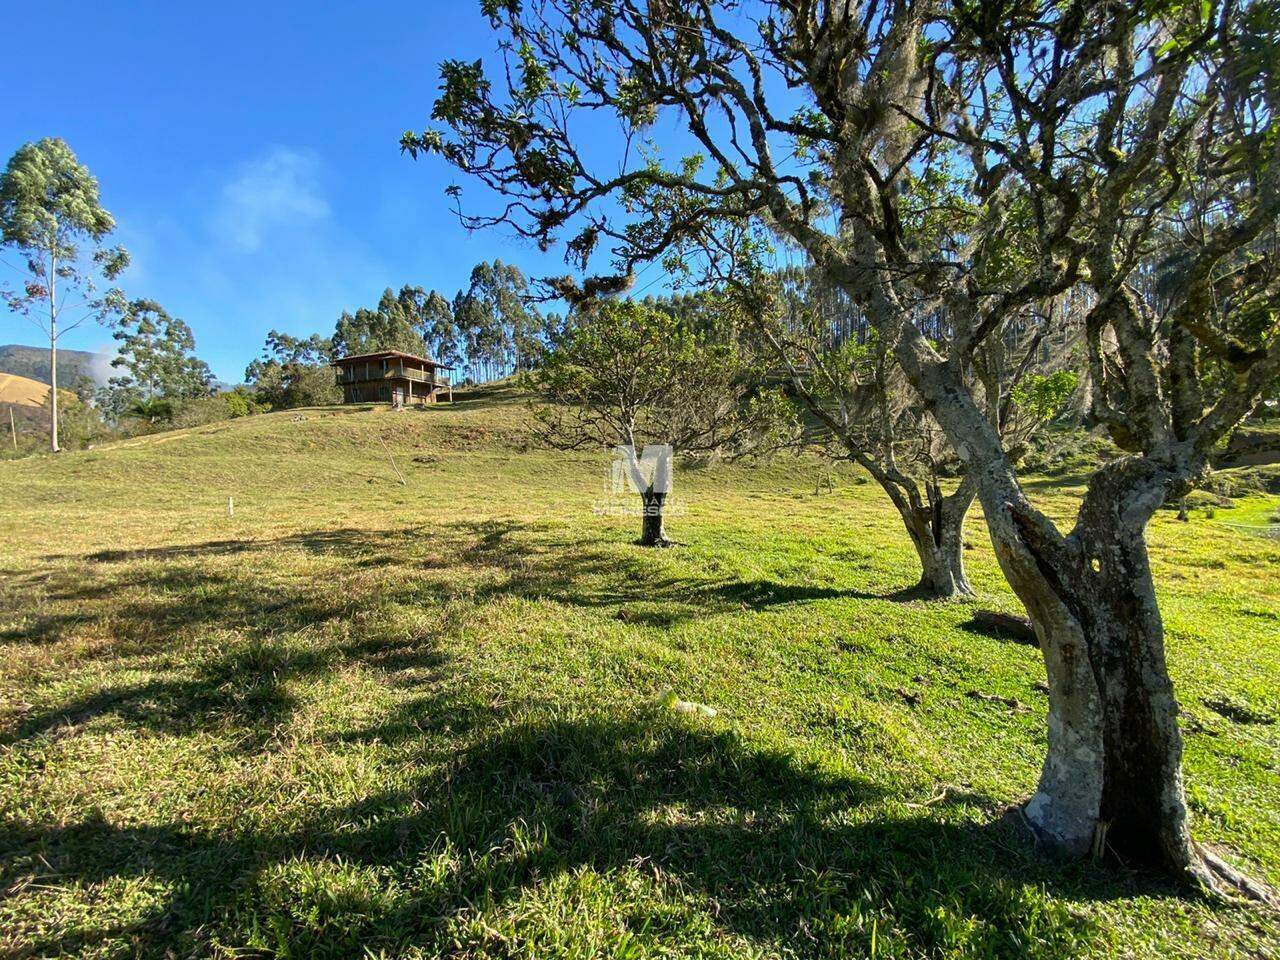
1067	143
155	352
500	328
294	372
432	315
389	326
634	377
51	215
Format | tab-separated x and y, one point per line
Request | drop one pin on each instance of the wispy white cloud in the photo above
278	191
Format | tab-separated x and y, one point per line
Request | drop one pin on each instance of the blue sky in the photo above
249	152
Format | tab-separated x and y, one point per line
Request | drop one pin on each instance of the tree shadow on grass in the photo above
722	832
187	602
775	851
244	693
343	539
592	574
179	589
759	594
770	849
222	648
168	599
493	559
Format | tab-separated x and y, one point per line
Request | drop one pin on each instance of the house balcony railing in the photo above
409	373
391	373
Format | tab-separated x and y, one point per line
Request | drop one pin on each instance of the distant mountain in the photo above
33	363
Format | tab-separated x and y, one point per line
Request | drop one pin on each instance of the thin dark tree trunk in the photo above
652	532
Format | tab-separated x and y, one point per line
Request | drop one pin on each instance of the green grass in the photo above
365	718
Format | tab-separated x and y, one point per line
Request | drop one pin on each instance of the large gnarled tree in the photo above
841	370
1069	143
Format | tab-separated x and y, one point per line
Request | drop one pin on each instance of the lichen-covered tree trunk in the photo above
1111	785
652	531
941	554
1111	782
937	532
935	526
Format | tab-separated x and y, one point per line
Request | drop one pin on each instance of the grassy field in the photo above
361	718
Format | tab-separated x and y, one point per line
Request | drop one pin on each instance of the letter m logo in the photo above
651	473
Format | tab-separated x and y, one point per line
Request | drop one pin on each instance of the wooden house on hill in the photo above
389	376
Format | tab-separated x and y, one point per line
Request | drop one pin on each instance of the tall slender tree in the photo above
501	331
432	316
440	329
52	216
389	326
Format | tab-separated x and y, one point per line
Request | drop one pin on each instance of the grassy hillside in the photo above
365	718
21	391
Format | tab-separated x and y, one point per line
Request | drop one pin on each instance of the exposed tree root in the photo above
1007	626
925	589
1216	875
1209	872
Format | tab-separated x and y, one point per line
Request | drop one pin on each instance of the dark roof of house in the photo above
385	354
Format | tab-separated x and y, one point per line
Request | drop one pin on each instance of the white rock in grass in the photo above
668	699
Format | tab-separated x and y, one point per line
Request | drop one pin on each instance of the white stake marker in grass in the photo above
403	481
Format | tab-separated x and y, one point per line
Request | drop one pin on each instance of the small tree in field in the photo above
871	418
633	376
79	423
49	208
965	161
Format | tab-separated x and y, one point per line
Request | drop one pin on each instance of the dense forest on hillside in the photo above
33	362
